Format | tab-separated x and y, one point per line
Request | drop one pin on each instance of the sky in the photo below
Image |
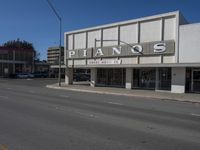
35	22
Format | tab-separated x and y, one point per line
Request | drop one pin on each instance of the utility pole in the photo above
60	21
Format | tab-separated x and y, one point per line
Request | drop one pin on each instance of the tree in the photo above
22	44
37	56
19	44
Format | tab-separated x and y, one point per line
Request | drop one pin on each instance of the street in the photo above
33	117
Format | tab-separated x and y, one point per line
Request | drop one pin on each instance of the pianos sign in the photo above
150	48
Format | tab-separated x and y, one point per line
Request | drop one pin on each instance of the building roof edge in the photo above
124	22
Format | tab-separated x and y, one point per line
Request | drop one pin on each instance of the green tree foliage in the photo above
19	44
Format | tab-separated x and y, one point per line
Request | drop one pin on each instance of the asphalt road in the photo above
33	117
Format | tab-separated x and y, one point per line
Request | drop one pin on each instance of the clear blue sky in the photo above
34	21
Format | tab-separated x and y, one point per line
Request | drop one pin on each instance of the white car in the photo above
30	75
22	75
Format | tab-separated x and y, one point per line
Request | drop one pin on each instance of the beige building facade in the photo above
157	52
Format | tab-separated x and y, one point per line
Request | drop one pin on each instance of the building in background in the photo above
41	67
53	55
159	52
53	61
16	61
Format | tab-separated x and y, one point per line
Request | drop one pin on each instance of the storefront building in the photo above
159	52
15	60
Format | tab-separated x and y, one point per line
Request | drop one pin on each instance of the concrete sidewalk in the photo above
82	87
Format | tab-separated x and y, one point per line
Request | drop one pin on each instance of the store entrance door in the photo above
144	78
164	79
195	80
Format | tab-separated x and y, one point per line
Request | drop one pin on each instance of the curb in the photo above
120	94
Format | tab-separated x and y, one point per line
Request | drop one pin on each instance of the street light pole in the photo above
60	21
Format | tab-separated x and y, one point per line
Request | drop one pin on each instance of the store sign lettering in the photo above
136	49
104	62
117	50
157	48
99	52
71	53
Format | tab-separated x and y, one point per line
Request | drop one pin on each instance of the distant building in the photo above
15	60
53	61
53	55
41	67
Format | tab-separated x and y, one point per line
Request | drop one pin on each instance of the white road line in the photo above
114	103
93	116
59	108
197	115
65	96
29	79
5	97
83	114
86	114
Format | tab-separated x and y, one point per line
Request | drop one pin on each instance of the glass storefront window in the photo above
164	78
188	84
192	80
101	77
196	80
111	77
144	78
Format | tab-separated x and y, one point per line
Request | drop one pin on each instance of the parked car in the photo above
22	75
40	75
13	76
31	75
81	77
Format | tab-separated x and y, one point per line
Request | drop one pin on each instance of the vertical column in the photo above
129	78
178	80
86	45
138	40
162	26
101	38
66	45
118	39
157	79
86	39
93	77
13	68
69	76
138	32
73	41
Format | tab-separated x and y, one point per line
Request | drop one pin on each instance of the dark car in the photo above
81	77
40	75
13	76
22	75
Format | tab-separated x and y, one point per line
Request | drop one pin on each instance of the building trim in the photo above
125	22
138	65
16	62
